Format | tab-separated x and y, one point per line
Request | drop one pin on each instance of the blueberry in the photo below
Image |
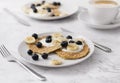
35	57
71	41
30	52
64	44
49	36
48	40
44	55
49	9
58	3
52	15
38	5
69	37
35	35
79	43
39	44
43	2
35	10
32	5
55	3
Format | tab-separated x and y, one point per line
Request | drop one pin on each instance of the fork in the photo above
6	54
101	47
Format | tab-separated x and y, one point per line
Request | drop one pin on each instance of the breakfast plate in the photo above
64	9
46	62
85	18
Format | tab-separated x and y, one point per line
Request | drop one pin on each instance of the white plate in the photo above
67	7
85	18
46	63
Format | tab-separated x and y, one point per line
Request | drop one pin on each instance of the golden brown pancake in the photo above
70	55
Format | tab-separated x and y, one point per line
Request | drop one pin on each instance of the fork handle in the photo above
104	48
42	78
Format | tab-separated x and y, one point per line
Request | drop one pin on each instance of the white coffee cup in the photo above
104	11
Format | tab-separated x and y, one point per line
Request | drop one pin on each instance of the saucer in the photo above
85	18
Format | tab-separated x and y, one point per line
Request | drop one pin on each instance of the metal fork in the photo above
101	47
6	54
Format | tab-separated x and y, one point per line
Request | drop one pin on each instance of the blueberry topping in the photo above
32	5
35	57
64	44
39	44
69	37
49	9
30	52
79	43
44	55
58	3
52	15
34	10
35	35
49	36
43	2
38	5
55	3
71	41
48	40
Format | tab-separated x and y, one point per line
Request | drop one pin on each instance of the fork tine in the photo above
5	49
2	52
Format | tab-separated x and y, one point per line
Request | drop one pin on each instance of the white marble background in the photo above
101	67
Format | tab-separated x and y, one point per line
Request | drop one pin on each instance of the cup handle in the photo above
117	17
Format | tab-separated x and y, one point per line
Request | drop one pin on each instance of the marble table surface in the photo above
101	67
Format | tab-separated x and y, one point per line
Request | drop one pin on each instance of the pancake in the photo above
71	55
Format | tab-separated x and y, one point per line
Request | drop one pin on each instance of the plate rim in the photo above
57	66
